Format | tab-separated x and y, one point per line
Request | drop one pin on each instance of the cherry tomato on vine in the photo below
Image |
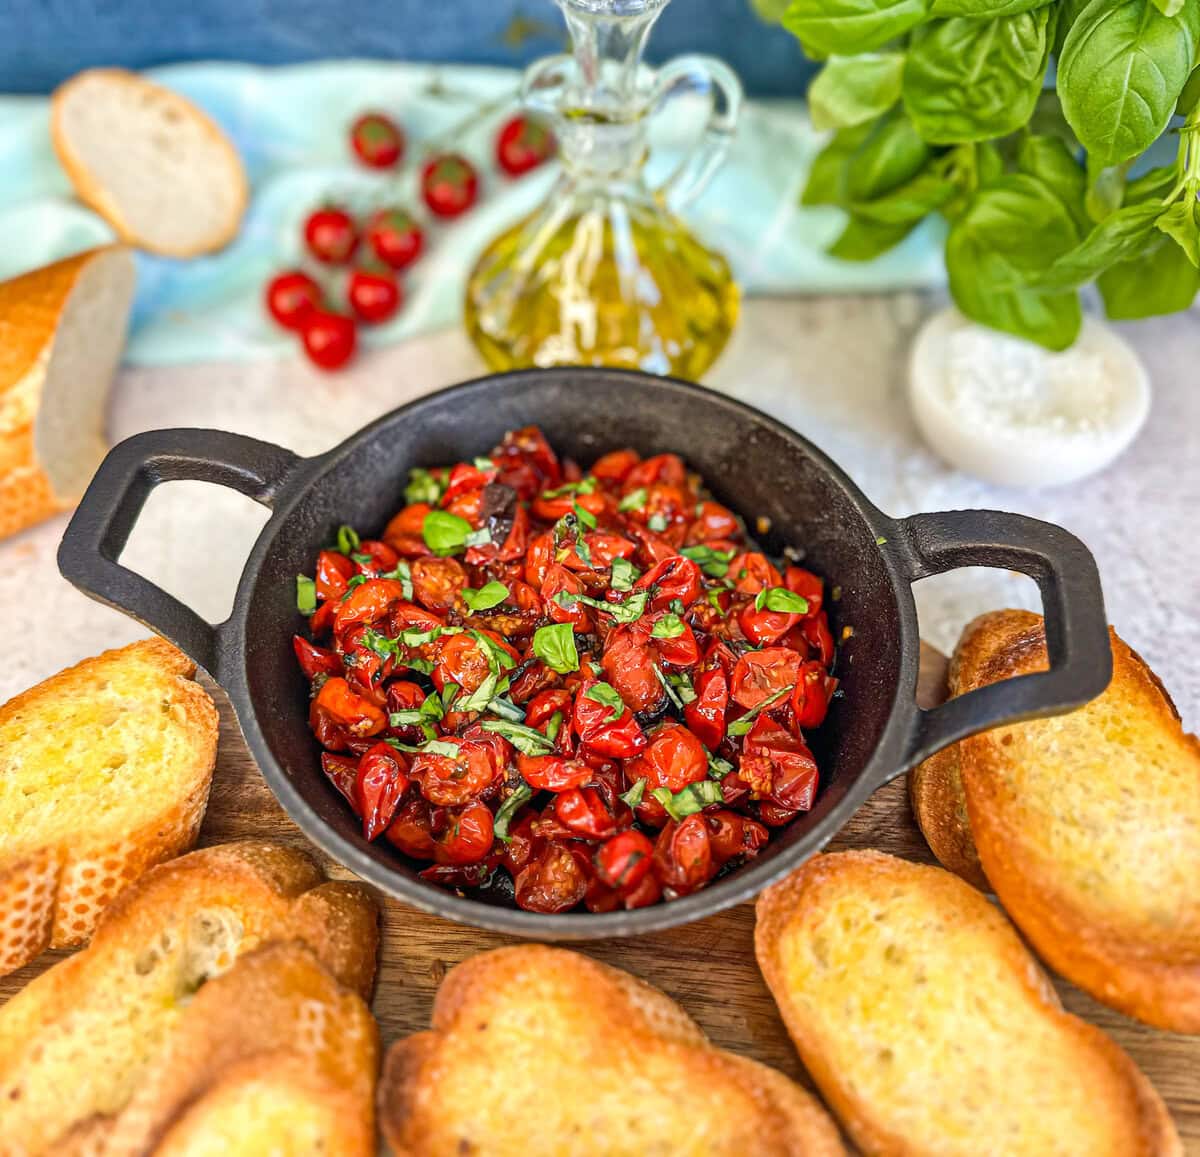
373	294
291	297
330	339
449	184
377	140
330	235
395	237
522	144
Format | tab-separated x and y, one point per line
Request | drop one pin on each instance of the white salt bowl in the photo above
1012	413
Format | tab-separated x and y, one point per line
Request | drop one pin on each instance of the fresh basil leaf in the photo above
380	644
1189	98
667	626
555	646
487	596
983	9
583	486
1122	70
401	573
1119	237
632	609
1181	220
527	740
306	594
850	90
504	707
634	500
445	533
1052	162
826	184
972	80
907	204
1012	231
848	27
521	795
607	696
585	516
669	688
1105	188
481	698
692	799
782	600
714	563
624	574
1161	280
742	726
424	487
657	523
865	240
633	796
480	537
892	154
498	658
718	768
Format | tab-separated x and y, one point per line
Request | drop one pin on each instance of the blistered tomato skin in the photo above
586	688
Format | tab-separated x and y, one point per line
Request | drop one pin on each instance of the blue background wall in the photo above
43	41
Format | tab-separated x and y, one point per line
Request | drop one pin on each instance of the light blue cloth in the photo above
289	123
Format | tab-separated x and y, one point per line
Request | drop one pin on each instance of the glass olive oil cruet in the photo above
605	273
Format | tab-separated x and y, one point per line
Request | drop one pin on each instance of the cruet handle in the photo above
717	81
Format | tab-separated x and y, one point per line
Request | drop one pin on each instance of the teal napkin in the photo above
289	123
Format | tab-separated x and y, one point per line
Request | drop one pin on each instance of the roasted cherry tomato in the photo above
342	771
819	638
614	467
761	675
395	237
711	522
683	858
606	728
662	469
291	297
330	235
732	836
810	700
373	294
705	714
449	184
750	572
354	712
377	140
765	627
330	339
315	660
623	860
381	782
552	772
778	766
674	758
468	835
631	666
452	780
552	881
437	582
582	811
522	144
674	579
411	830
805	584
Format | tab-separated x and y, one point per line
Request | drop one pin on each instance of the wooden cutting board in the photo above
708	967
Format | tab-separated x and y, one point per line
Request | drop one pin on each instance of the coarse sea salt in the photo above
1011	412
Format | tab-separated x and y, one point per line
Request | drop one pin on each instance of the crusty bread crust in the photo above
574	1041
1132	955
52	893
93	193
838	896
190	926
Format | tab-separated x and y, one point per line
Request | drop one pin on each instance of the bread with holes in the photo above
536	1051
150	162
62	330
929	1027
104	772
233	959
1086	825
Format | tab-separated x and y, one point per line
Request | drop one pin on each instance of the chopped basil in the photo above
682	682
714	600
347	539
742	725
657	523
624	575
380	644
445	533
306	594
509	808
880	541
402	573
496	654
527	740
489	595
629	611
555	646
423	487
450	692
506	709
480	537
431	747
362	559
714	563
718	768
692	799
634	500
484	464
431	709
672	694
586	517
633	796
583	486
554	726
782	600
669	626
607	696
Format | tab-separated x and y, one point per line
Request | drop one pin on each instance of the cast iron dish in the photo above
754	465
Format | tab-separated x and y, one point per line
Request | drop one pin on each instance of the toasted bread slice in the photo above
930	1028
104	772
150	162
1087	825
62	330
537	1051
80	1041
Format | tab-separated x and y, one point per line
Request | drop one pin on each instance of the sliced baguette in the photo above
126	1023
104	772
537	1051
62	330
150	162
930	1028
1087	825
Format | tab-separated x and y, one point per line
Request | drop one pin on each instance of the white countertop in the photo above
834	368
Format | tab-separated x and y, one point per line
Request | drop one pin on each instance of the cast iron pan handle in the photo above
108	511
1076	625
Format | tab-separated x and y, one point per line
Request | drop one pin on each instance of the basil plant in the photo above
943	106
